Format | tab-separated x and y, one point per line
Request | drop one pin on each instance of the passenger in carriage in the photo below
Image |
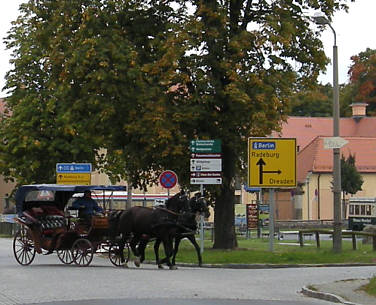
87	207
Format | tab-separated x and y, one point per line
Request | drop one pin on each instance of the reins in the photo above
168	211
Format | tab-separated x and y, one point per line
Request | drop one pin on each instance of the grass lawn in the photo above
370	288
256	251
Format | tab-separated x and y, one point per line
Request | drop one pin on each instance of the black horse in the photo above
187	229
139	224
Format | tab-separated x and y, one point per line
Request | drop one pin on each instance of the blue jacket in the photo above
89	205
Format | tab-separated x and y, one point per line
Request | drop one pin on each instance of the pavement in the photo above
345	292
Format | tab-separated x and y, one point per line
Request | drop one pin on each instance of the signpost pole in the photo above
259	198
202	224
271	219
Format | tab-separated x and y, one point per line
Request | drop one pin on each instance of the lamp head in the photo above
321	20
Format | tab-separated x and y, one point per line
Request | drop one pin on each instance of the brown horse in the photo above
187	228
139	223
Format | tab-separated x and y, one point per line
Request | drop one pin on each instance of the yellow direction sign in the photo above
73	178
271	162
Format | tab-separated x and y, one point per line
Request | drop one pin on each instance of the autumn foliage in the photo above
363	76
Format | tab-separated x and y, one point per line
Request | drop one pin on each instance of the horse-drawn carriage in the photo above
46	226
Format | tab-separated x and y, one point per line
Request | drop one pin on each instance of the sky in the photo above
355	33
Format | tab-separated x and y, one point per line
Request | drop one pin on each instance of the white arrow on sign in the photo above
334	142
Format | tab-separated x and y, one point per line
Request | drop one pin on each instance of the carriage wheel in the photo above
65	256
23	247
82	252
114	255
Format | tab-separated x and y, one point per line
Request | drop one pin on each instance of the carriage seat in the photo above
99	222
50	218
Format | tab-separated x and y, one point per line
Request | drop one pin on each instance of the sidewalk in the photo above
345	292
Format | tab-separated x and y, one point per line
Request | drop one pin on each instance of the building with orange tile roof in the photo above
314	198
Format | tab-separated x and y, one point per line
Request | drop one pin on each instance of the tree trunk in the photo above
224	213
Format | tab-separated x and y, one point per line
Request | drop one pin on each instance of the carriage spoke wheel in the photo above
23	247
114	255
65	256
82	252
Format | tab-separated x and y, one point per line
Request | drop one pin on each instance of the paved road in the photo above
47	281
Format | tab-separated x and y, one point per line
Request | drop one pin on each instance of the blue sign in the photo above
263	145
7	218
252	189
73	168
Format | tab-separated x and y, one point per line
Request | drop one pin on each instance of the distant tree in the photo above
363	78
347	95
351	180
317	101
314	102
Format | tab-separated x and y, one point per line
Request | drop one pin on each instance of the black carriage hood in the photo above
62	192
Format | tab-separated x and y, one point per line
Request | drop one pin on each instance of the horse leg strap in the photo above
188	233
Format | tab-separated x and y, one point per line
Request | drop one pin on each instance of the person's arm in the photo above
97	208
77	204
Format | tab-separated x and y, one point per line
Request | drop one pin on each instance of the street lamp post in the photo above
337	230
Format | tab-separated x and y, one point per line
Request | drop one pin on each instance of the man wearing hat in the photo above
87	207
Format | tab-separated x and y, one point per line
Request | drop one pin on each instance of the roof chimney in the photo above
358	110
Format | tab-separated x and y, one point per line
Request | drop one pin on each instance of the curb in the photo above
268	266
325	296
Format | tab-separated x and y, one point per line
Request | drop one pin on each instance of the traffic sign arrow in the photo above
261	164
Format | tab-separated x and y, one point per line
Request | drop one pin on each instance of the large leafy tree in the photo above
246	58
363	78
84	73
142	78
34	133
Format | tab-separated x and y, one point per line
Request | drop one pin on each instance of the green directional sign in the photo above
206	146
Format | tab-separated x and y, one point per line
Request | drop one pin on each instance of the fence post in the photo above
374	242
301	242
353	236
317	239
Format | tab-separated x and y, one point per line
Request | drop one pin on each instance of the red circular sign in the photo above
168	179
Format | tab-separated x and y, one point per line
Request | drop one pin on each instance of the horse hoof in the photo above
173	267
137	262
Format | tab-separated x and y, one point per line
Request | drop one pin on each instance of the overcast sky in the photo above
355	33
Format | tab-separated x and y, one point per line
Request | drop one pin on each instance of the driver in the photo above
86	206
